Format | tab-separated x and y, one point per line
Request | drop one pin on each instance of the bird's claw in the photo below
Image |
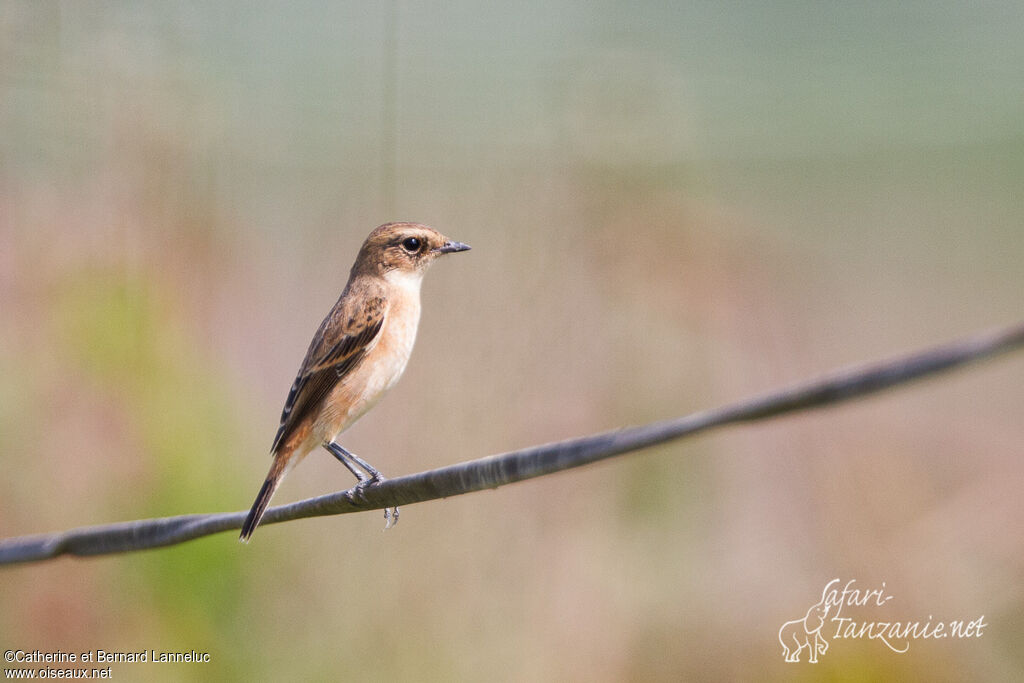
390	513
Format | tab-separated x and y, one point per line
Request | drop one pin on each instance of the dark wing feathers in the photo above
343	339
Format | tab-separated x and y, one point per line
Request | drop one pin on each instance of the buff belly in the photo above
366	385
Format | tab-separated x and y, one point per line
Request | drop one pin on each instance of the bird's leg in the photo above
370	476
370	469
343	457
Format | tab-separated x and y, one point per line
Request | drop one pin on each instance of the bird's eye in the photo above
411	244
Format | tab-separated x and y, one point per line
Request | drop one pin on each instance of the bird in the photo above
358	353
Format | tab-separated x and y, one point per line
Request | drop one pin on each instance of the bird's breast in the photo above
376	373
388	358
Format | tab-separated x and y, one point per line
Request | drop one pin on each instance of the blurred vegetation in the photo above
671	206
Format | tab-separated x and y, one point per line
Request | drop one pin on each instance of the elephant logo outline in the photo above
805	633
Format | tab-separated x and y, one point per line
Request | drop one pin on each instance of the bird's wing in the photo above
345	336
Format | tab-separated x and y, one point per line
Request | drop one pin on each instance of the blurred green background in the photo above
671	206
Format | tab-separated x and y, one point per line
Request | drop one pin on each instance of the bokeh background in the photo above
671	206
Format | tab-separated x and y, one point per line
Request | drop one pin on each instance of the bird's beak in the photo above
449	247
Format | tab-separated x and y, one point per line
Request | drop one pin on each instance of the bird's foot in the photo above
390	517
391	513
367	475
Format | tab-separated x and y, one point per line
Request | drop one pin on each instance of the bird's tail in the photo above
278	469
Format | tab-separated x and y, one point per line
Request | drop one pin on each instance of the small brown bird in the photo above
358	353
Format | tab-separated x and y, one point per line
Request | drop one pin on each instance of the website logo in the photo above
837	616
